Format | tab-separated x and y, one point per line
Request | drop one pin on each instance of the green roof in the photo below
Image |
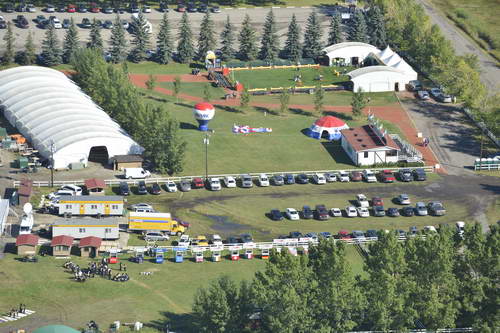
56	329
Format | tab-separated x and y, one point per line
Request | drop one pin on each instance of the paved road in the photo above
490	72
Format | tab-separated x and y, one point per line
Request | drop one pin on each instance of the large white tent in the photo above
53	113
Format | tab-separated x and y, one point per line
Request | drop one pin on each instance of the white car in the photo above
319	179
141	206
60	193
77	190
343	176
369	176
421	209
363	212
56	23
330	177
246	181
263	180
229	181
171	186
292	214
215	184
125	24
184	241
336	212
216	239
404	199
430	228
351	211
460	228
362	200
146	9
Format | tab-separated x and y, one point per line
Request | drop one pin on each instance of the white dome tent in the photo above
328	127
51	111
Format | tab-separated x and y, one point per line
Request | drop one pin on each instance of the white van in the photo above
77	190
136	173
215	184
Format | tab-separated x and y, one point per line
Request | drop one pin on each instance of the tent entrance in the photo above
99	154
325	135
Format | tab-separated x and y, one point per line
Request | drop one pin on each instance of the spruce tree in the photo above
9	53
164	43
29	54
140	40
206	40
293	49
95	38
185	48
270	41
312	37
357	30
227	41
335	33
247	39
51	50
71	42
118	43
376	28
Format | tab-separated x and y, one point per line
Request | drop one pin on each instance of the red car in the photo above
71	9
344	234
377	201
94	8
387	176
356	176
198	183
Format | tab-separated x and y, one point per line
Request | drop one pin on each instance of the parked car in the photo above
292	214
307	213
86	23
440	96
371	233
377	201
66	23
369	176
312	235
379	211
386	176
330	177
21	8
356	176
163	7
191	8
30	8
319	179
61	8
215	239
71	8
405	175
185	185
322	213
460	225
403	199
22	22
246	181
40	19
436	208
171	186
107	24
215	184
400	233
82	8
146	9
229	181
363	212
8	8
181	8
263	180
3	23
413	231
124	189
419	174
278	180
423	95
202	8
325	234
344	234
198	183
415	85
302	179
336	212
215	9
76	190
133	8
140	206
183	241
276	215
407	211
429	229
201	240
358	235
393	212
420	209
351	211
94	8
141	187
362	200
152	236
155	189
56	23
343	176
246	238
289	179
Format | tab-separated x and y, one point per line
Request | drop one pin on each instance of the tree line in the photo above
437	282
152	127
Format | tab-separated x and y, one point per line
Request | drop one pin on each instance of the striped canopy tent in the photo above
327	127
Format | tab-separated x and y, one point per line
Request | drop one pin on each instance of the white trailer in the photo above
92	205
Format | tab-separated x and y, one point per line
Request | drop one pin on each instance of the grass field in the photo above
276	78
195	89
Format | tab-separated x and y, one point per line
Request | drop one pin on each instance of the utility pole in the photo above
206	141
52	151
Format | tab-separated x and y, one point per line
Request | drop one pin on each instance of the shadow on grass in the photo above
336	152
184	105
301	112
187	126
228	108
173	322
156	99
339	115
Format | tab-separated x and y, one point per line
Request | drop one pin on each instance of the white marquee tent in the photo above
52	112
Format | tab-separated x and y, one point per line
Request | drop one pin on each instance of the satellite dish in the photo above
27	208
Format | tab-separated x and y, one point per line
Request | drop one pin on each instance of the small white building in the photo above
349	53
367	146
378	79
79	228
92	205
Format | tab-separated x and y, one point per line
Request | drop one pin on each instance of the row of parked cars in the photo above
436	93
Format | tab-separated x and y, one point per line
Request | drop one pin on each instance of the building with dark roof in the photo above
121	162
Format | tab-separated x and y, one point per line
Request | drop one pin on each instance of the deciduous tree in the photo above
245	97
319	99
177	86
207	94
358	102
284	100
151	82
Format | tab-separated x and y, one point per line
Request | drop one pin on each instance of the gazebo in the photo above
327	127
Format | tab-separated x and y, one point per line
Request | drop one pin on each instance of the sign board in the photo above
249	245
235	248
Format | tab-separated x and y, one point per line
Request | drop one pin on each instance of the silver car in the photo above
423	95
420	209
436	208
153	236
246	181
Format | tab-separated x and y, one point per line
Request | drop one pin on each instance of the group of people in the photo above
102	269
14	313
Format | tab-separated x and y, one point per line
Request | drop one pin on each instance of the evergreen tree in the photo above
140	40
227	41
376	28
206	40
118	42
164	42
319	99
312	37
293	49
51	51
9	53
29	54
71	42
185	48
270	41
358	102
335	33
151	82
358	30
95	38
247	39
177	86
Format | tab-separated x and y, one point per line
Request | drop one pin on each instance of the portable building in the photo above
89	246
61	246
121	162
78	228
92	205
26	244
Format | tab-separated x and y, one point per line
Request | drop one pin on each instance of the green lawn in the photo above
275	78
196	89
149	67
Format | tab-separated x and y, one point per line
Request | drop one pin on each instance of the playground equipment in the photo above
203	113
211	60
113	256
179	253
160	255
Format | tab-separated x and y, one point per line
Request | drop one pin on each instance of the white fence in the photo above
484	165
111	182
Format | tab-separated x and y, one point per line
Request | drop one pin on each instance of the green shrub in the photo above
461	13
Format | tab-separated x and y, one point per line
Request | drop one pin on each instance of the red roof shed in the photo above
91	241
62	240
27	239
94	183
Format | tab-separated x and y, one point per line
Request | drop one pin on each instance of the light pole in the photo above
52	151
206	141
